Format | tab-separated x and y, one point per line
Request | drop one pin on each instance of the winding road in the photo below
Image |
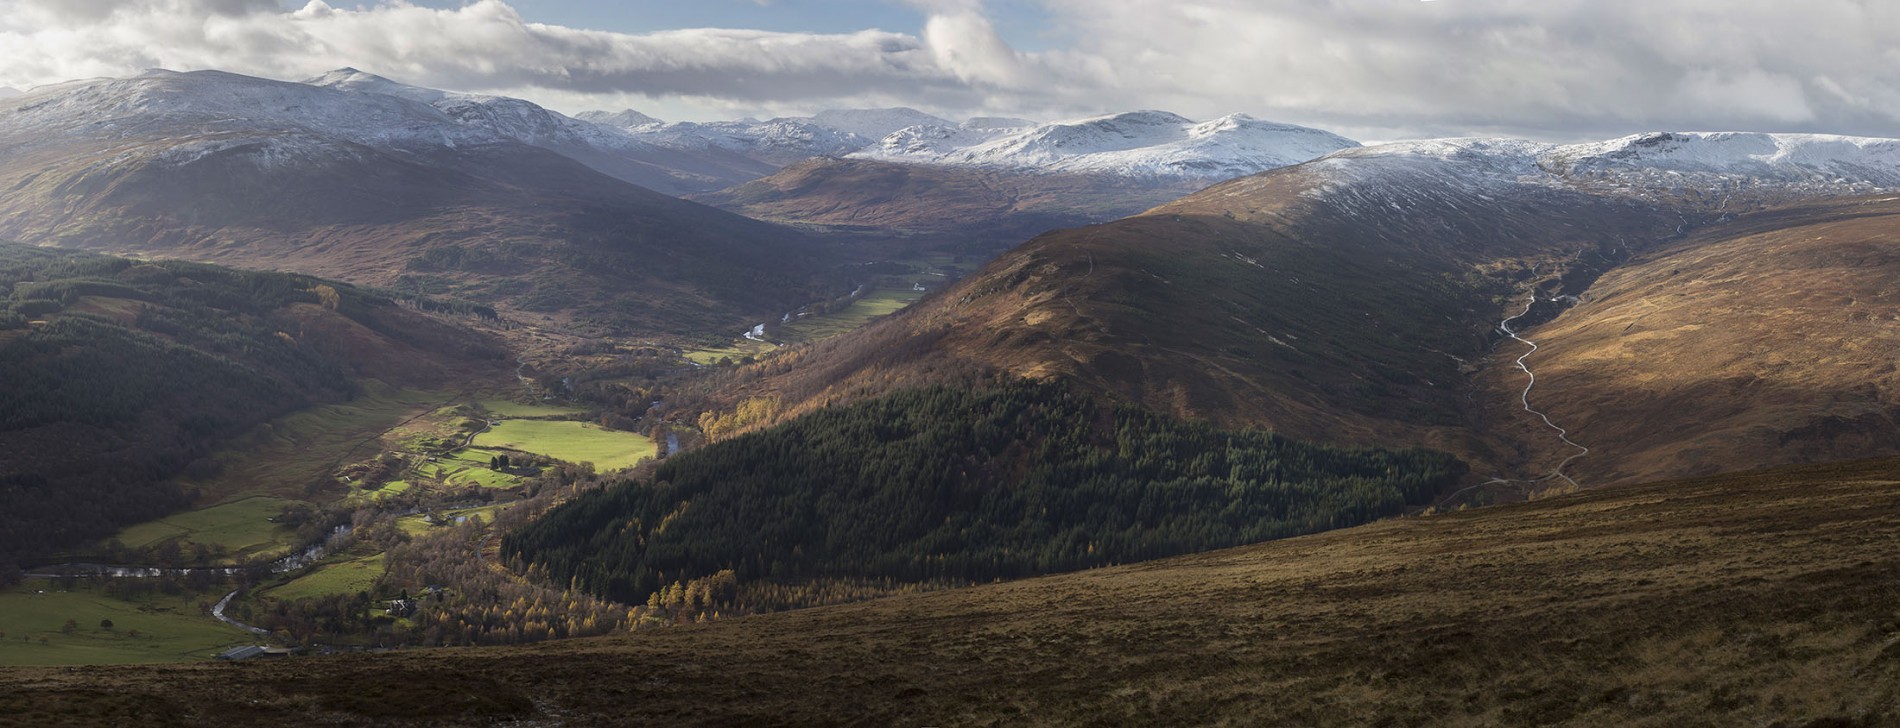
1525	396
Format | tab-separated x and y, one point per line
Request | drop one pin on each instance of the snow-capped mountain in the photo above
1716	165
515	119
607	148
373	182
778	142
874	124
1139	144
622	119
217	103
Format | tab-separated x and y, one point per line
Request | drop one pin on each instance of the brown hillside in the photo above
1761	599
1252	303
1766	340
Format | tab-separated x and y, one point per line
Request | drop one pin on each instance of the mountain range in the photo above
385	190
503	202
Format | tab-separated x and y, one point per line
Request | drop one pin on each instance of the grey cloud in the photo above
1543	67
483	45
1377	68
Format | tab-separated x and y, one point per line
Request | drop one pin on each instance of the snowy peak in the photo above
778	142
622	119
874	124
1732	153
1141	144
350	79
1713	165
212	102
511	118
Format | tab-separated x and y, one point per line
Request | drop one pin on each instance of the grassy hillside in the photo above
123	374
1765	340
1761	599
944	484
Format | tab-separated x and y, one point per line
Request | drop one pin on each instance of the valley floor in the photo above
1758	599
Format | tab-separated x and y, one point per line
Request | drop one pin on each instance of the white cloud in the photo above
1551	68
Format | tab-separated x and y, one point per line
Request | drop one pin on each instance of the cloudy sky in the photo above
1375	69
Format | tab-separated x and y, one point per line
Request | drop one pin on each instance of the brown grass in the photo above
1764	341
1763	599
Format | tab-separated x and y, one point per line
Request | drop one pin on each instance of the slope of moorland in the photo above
381	190
1251	303
947	485
1764	340
968	208
1353	298
1758	599
122	374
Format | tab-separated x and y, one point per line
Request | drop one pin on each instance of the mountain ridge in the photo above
383	190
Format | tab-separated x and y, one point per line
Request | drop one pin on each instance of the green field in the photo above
342	577
505	408
574	442
468	467
241	527
170	628
418	525
391	488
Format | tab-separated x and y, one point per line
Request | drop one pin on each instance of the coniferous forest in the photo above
942	484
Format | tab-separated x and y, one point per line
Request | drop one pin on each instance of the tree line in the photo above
945	485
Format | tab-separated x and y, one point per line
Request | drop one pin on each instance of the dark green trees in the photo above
951	484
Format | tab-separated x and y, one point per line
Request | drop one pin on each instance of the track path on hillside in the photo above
1525	396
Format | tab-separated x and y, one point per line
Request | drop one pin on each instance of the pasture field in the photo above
242	528
418	524
169	628
468	466
340	577
391	488
574	442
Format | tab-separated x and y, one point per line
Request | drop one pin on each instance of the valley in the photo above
474	412
1746	598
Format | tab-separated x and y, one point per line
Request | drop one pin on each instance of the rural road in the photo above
1525	396
218	611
